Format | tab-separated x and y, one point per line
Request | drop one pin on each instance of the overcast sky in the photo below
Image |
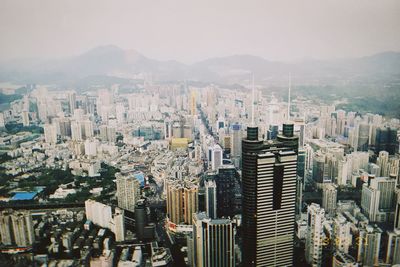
189	31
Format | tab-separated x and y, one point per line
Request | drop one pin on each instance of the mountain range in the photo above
113	61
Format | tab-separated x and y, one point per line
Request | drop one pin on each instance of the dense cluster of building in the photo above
230	177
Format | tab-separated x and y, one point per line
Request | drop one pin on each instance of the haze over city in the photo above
190	32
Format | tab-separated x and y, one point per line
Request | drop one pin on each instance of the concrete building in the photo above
329	198
314	237
128	190
213	242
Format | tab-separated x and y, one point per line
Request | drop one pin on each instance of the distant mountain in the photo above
116	62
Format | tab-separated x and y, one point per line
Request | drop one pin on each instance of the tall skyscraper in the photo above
213	242
226	180
342	233
269	198
128	190
314	236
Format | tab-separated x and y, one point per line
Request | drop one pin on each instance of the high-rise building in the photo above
369	242
213	242
182	201
269	198
76	131
397	214
226	180
71	101
386	139
215	157
329	198
211	198
314	236
50	134
25	118
378	198
236	144
342	234
128	190
16	228
393	247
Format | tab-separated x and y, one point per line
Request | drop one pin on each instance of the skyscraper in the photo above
214	242
269	198
226	180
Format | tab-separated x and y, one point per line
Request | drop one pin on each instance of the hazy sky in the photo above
194	30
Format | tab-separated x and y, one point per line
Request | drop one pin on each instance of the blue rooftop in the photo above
140	177
24	195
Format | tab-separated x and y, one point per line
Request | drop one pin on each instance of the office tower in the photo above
386	139
341	259
363	136
128	190
213	242
211	198
342	233
269	199
288	138
397	208
215	156
182	201
393	247
25	118
50	134
329	198
314	236
76	131
226	181
71	102
318	167
140	219
378	198
369	242
236	144
301	162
